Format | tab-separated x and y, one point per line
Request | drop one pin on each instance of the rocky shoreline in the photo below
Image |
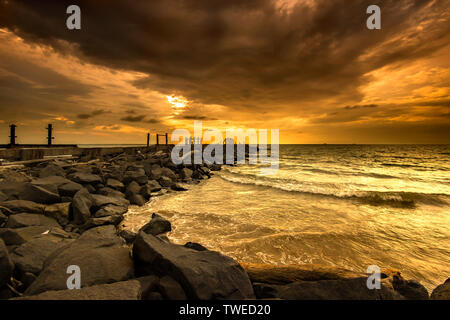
65	213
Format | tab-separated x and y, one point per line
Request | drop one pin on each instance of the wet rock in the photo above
52	169
137	199
178	186
99	253
132	188
59	211
186	173
165	181
81	205
410	289
442	291
102	221
21	220
6	264
69	189
195	246
283	274
221	277
156	226
128	236
19	206
115	184
85	177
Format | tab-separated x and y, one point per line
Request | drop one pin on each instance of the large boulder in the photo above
6	264
19	206
135	289
110	210
102	221
157	225
106	191
342	289
100	254
132	188
202	274
186	173
85	177
442	291
165	181
81	206
137	199
100	201
30	256
410	289
21	220
135	175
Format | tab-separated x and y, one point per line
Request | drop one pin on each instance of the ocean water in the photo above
340	205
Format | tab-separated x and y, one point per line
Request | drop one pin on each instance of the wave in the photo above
376	198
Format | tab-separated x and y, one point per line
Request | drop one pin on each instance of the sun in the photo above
178	103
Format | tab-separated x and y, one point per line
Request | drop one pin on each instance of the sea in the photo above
350	206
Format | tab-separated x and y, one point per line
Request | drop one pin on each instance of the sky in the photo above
309	68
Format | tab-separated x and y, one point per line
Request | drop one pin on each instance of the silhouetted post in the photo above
12	135
157	139
49	135
148	139
167	138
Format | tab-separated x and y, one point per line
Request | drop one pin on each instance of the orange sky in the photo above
301	67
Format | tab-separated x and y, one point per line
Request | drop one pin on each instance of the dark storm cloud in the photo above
92	114
361	106
242	54
137	118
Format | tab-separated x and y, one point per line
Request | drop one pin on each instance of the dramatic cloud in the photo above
292	64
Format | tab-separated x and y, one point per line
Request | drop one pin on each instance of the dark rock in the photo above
128	236
106	191
186	173
179	187
3	197
52	169
6	264
19	206
156	172
101	200
30	256
59	211
134	289
21	220
139	176
342	289
115	184
165	181
39	194
156	226
221	277
171	289
27	278
69	189
215	167
137	199
3	219
410	289
442	291
81	205
102	221
132	188
21	235
66	199
195	246
154	296
85	177
99	253
111	210
90	188
169	173
153	185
